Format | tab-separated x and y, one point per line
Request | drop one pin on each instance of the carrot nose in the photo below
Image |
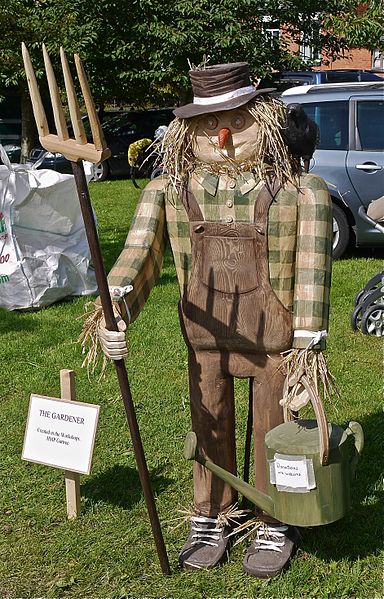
223	137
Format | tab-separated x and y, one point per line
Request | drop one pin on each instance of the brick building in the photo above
359	58
356	59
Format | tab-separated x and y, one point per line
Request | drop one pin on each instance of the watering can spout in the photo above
260	499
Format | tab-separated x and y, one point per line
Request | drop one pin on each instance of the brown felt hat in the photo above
220	87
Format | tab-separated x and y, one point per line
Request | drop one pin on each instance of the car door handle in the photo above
368	166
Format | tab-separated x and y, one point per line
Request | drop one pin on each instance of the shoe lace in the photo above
268	538
206	531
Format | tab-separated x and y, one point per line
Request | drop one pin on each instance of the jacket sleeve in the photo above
313	261
138	267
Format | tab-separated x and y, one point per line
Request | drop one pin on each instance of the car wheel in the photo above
367	301
372	322
145	165
157	172
356	318
100	172
341	233
373	283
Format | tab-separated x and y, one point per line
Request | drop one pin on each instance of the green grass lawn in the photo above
109	550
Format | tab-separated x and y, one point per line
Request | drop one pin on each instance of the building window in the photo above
271	29
308	53
378	60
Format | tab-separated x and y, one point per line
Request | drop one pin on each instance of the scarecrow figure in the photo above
251	240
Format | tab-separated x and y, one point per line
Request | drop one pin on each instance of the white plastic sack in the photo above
44	253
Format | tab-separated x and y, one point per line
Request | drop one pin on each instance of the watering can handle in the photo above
321	420
355	429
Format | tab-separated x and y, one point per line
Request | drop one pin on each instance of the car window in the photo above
332	119
370	124
283	83
341	77
120	124
10	128
128	128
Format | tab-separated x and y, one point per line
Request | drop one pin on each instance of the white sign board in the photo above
291	473
60	433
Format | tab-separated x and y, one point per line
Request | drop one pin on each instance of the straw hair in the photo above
271	158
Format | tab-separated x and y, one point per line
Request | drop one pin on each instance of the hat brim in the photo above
190	110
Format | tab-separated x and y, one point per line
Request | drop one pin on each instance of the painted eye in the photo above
211	122
238	121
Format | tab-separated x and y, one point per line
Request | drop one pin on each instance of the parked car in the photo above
10	123
287	79
119	131
10	127
56	161
350	153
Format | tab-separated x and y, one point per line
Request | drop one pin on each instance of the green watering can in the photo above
309	467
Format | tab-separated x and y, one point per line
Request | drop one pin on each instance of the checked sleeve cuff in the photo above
303	339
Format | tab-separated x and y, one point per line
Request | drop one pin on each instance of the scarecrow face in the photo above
219	135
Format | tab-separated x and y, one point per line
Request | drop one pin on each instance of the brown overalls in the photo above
234	326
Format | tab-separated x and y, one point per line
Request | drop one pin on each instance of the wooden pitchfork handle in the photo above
76	150
121	371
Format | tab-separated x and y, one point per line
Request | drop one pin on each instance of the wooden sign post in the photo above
72	479
60	432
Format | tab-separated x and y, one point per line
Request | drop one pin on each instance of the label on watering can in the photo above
291	473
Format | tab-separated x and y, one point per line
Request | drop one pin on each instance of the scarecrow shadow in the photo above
168	271
226	333
120	486
111	248
17	321
363	252
357	534
166	279
236	341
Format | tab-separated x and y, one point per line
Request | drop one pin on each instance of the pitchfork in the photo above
76	150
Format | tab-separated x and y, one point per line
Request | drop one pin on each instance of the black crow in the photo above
301	134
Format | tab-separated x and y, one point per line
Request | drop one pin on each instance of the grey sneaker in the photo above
271	550
206	545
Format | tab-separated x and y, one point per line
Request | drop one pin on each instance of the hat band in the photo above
224	97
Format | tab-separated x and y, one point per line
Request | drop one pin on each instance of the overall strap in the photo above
190	203
264	199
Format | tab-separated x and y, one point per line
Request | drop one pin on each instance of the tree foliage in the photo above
137	51
361	26
168	36
54	22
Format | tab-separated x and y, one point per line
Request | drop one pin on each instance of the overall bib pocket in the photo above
227	264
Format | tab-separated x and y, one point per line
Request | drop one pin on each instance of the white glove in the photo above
298	398
295	395
113	343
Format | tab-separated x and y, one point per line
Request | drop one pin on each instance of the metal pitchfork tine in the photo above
76	150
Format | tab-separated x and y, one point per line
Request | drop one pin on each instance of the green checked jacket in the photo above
299	241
